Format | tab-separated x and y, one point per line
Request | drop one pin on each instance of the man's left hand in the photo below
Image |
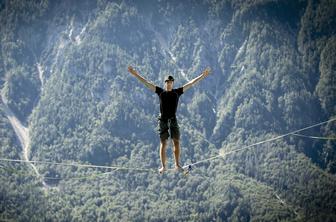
206	72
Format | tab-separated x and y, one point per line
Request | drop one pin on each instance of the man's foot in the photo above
162	170
178	168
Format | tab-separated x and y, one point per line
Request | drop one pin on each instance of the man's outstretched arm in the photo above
150	85
204	74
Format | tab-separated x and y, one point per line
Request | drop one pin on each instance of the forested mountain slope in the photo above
63	75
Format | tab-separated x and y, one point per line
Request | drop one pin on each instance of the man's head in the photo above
169	83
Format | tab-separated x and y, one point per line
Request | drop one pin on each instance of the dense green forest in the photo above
66	97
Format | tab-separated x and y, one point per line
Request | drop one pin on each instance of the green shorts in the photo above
169	127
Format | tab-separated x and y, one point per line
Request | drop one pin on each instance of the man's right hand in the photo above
148	84
132	71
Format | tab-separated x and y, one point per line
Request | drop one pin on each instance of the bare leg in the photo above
163	146
177	150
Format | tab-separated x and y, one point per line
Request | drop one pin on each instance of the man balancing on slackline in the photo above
167	121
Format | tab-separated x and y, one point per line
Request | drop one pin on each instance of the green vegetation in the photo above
63	73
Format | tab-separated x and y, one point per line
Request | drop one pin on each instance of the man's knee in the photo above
176	143
163	142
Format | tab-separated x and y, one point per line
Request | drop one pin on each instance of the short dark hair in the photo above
169	78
